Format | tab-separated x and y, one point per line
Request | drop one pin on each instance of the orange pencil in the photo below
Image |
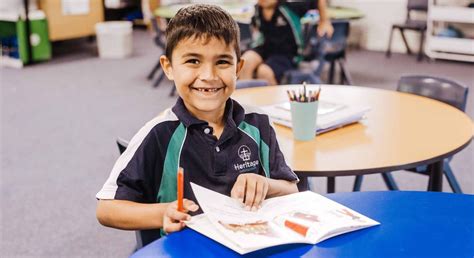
298	228
180	188
317	94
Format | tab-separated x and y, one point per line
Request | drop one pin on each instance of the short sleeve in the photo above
133	176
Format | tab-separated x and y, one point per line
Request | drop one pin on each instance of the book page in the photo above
247	229
323	107
330	115
314	216
304	217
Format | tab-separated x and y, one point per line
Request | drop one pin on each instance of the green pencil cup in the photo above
303	119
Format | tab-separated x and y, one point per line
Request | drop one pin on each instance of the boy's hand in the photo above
251	189
173	219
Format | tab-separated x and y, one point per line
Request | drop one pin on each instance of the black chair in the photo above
411	24
245	36
441	89
335	52
241	84
308	71
143	237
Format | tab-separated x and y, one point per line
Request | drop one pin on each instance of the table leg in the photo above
435	183
331	187
303	183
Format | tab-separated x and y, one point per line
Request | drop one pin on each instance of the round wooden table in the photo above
401	131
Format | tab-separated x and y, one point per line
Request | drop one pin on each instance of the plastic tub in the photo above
114	39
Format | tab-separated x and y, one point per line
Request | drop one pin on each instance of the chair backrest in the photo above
313	62
337	44
444	90
143	237
417	6
241	84
245	36
122	145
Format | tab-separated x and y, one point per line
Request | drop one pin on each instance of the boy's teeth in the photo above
207	90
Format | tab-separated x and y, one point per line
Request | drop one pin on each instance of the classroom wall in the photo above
373	31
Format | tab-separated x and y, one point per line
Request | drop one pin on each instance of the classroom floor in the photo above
60	120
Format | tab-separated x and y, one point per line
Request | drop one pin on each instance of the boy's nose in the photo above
207	73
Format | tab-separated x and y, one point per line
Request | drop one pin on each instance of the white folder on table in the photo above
330	115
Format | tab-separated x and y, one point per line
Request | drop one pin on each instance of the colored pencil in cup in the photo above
317	93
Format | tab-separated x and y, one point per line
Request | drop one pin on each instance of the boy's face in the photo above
204	71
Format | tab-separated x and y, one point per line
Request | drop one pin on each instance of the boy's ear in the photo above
239	66
166	66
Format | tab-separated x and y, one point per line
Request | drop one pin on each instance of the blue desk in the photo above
413	224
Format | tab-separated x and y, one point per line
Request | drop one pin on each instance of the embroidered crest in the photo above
244	153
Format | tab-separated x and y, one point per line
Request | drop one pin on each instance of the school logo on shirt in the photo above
280	21
245	155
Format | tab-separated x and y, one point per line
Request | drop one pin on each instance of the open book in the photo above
304	217
330	115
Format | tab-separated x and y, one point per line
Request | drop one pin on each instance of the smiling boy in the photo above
219	144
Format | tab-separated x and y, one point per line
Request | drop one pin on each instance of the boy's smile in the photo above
204	71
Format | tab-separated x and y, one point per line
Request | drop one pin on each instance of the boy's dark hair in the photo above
202	20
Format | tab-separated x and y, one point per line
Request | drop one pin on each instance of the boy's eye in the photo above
192	61
220	62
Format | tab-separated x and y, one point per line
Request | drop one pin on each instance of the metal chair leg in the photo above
448	172
332	68
405	41
173	91
421	52
357	183
154	70
389	181
160	78
345	75
388	53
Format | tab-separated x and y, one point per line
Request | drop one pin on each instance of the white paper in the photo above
226	221
75	7
330	115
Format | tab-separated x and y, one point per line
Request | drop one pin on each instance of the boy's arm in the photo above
130	215
278	187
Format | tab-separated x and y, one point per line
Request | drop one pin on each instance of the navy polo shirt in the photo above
146	171
278	35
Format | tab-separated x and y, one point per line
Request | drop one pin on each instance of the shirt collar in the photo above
233	114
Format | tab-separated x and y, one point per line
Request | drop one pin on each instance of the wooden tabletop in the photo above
400	131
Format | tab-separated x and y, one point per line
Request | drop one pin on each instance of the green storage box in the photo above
39	40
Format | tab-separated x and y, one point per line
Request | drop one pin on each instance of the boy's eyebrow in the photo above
192	55
226	56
